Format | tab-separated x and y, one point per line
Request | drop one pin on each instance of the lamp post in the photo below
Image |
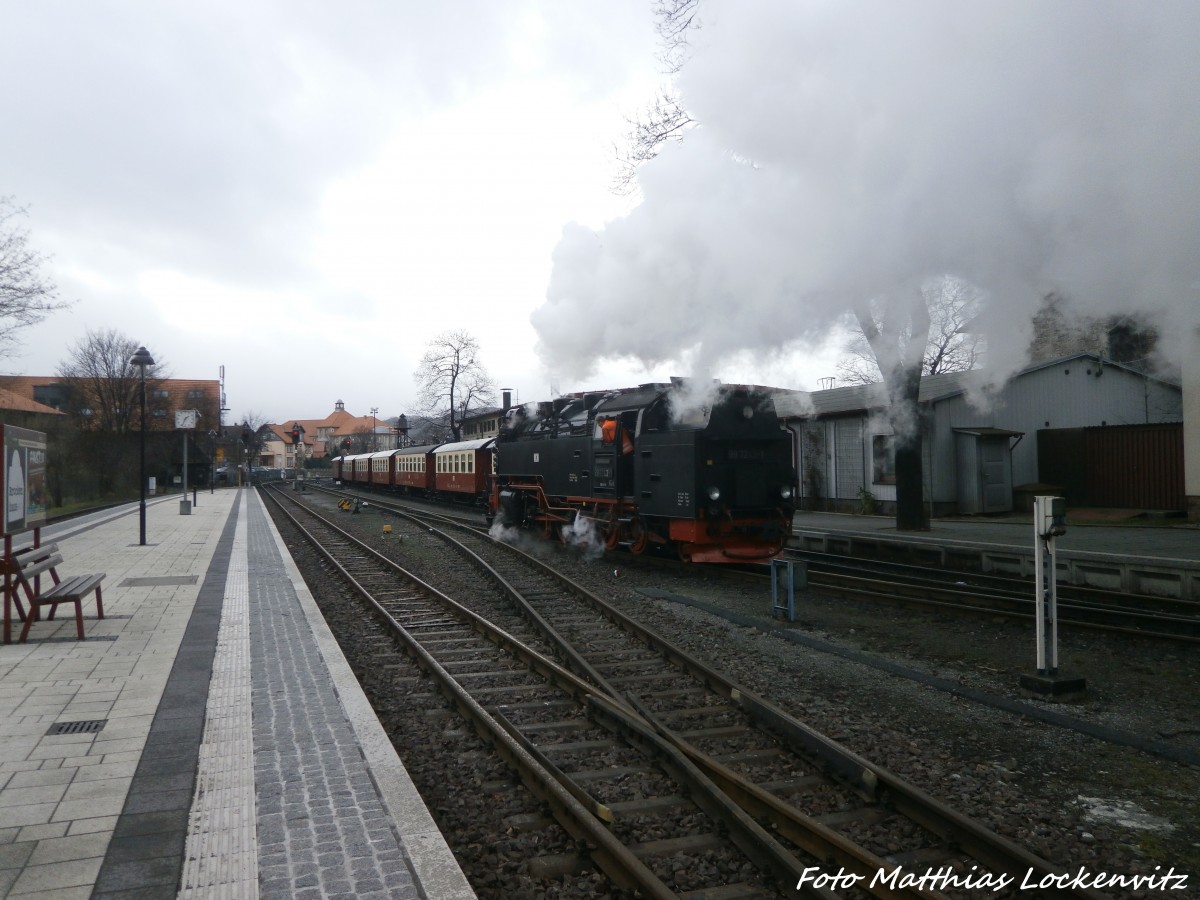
374	409
141	359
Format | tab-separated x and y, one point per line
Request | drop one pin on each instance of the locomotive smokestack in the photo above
506	399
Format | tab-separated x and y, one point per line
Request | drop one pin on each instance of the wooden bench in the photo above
29	564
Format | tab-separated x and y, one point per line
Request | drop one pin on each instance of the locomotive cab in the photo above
613	437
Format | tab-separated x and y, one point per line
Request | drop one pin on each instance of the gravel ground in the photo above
1088	805
1078	801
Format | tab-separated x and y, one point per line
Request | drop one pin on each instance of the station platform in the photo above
216	742
1151	557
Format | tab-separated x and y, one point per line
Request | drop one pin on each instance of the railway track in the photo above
966	593
767	789
1143	615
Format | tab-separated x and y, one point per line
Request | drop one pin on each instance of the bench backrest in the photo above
29	562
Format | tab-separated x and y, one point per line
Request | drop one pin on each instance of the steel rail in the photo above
684	764
871	781
616	860
900	592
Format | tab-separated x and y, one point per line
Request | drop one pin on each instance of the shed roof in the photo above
860	397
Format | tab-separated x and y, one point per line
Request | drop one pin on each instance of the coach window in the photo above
883	458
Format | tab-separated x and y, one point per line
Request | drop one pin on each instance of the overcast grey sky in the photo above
305	193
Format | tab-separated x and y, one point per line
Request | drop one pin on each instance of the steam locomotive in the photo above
710	478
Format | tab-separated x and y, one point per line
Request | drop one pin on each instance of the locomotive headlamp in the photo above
747	412
786	492
714	493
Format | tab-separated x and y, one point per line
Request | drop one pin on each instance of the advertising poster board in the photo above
24	479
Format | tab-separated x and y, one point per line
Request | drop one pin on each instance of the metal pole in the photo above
142	507
1039	579
183	493
1051	607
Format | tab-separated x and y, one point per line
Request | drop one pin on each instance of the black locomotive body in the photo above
642	466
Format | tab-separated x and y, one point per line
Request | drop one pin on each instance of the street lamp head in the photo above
141	359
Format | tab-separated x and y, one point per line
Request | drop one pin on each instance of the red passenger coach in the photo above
379	468
360	468
344	468
413	470
462	469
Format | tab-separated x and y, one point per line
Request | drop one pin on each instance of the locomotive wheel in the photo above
641	539
552	531
612	536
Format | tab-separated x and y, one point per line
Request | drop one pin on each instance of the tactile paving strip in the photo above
221	855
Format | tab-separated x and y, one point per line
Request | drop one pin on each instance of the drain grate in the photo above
91	726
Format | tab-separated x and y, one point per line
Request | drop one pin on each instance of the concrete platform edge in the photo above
435	868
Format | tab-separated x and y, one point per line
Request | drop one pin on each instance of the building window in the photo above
195	394
883	458
160	394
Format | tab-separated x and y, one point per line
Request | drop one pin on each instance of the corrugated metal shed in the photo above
1077	391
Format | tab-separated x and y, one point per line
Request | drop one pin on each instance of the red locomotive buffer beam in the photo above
743	540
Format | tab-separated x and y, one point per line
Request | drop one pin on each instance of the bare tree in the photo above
451	380
26	296
104	401
952	345
104	389
250	437
664	119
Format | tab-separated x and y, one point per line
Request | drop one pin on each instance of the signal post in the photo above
1049	523
298	443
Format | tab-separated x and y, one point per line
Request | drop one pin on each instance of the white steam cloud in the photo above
849	151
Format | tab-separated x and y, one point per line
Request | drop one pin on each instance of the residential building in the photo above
482	423
336	433
164	397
